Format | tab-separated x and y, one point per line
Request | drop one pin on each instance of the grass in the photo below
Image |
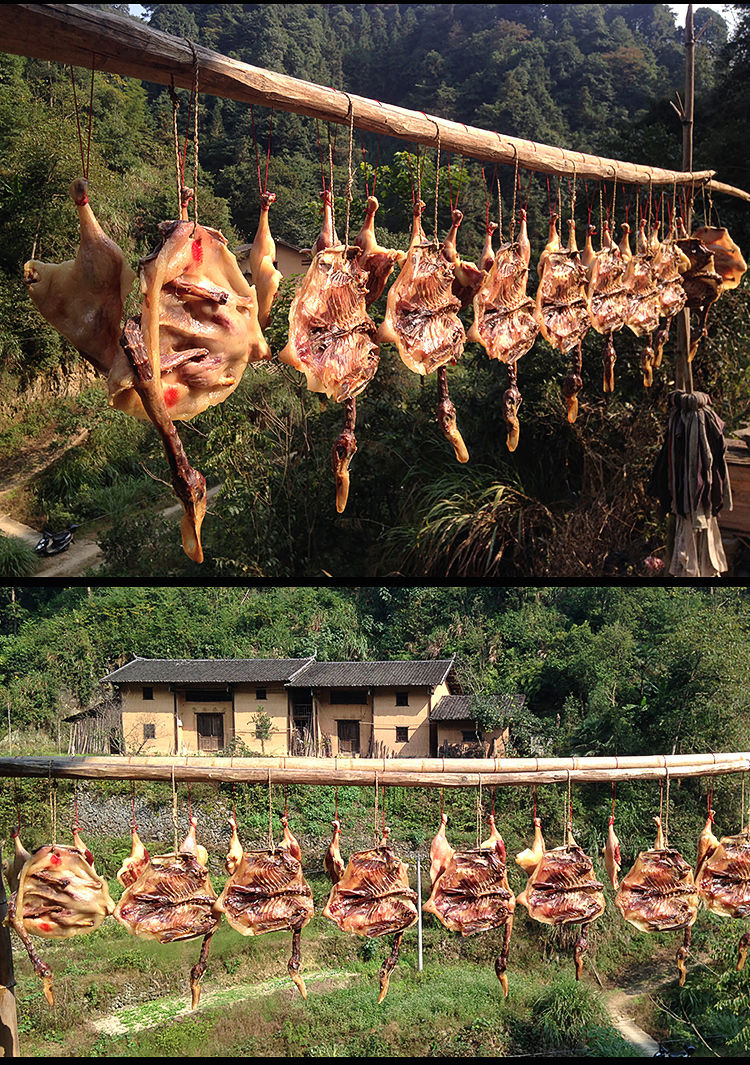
17	559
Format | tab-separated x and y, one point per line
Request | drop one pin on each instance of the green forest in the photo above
572	499
606	670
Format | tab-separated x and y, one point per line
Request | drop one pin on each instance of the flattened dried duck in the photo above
504	321
172	900
612	855
561	306
722	878
471	893
197	331
331	337
659	895
373	898
644	307
267	892
607	300
669	265
561	888
422	322
56	894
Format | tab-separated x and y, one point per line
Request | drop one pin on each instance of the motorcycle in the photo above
53	543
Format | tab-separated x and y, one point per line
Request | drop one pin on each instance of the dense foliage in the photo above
570	500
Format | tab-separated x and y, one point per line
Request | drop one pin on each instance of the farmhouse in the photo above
296	706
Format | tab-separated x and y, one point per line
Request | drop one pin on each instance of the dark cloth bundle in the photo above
691	479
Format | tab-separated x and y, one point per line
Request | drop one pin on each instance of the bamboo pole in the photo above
401	772
684	374
82	34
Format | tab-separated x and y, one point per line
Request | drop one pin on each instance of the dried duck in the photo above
373	898
378	262
715	264
504	321
561	306
561	888
197	331
267	892
669	264
644	307
84	297
612	855
659	895
332	338
262	259
607	300
421	319
172	900
722	877
470	892
135	863
56	893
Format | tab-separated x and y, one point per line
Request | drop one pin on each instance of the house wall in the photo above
329	715
137	712
415	717
276	705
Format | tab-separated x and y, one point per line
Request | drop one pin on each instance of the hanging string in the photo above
492	793
666	813
75	805
330	181
479	812
614	792
16	797
569	822
286	809
442	803
661	799
710	798
174	811
195	136
350	176
84	159
178	166
320	153
371	191
533	790
53	806
234	805
516	179
499	212
383	809
262	187
190	803
450	184
437	180
377	785
271	846
335	802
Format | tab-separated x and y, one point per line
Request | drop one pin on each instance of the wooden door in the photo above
348	732
210	731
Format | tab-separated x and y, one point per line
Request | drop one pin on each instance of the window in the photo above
205	695
149	730
402	734
148	693
402	698
469	736
260	693
348	697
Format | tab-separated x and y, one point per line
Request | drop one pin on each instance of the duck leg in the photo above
511	402
295	961
742	949
446	416
501	962
580	949
41	968
388	966
609	358
189	485
572	385
682	955
648	361
344	447
196	973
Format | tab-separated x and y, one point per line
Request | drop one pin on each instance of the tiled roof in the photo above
458	707
206	671
294	672
423	673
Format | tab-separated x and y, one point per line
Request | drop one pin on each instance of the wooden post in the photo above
684	369
8	1017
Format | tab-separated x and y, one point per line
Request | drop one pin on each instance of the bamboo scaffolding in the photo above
84	36
401	772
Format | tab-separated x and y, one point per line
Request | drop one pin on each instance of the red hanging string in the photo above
492	792
132	801
411	178
442	804
190	805
549	199
285	802
710	799
183	153
234	806
383	807
320	153
533	789
78	121
614	789
268	153
528	190
75	806
335	802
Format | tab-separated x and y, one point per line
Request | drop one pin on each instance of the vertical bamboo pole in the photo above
419	912
8	1017
684	375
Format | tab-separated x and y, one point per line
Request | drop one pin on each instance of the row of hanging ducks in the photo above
201	322
56	892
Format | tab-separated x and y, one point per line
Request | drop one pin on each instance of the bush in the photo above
17	559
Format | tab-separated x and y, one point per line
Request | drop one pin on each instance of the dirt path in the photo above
131	1019
618	1004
